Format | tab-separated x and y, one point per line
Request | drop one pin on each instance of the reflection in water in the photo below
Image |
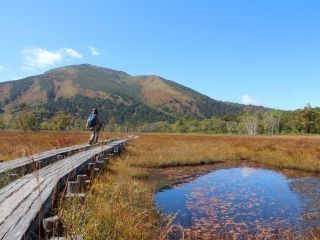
246	171
243	199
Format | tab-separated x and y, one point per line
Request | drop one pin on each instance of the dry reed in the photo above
120	203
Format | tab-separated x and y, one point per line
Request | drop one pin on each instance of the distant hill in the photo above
77	89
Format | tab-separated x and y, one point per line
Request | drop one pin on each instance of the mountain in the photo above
77	89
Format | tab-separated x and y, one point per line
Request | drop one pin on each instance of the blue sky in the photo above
247	51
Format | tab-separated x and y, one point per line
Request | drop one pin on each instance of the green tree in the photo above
180	126
309	118
28	121
270	122
62	121
232	127
289	123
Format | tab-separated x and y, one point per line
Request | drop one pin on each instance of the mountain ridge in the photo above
150	95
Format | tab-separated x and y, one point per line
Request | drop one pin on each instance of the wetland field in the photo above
175	186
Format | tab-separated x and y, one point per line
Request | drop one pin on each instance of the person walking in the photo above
94	125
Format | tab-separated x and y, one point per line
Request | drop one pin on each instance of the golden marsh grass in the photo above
120	205
15	144
162	150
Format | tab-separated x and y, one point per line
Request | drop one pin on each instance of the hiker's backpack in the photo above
92	120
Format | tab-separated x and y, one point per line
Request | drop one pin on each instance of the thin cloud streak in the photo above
94	51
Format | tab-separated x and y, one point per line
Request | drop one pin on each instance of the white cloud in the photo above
72	53
247	100
39	58
94	51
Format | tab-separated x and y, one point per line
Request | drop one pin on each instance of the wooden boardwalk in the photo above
22	201
27	164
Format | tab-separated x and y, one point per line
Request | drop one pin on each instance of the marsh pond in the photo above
243	200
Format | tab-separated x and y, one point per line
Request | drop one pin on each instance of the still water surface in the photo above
244	199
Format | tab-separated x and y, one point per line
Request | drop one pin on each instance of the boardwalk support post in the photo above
73	191
81	180
50	226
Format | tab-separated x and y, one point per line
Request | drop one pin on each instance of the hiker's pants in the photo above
96	137
93	135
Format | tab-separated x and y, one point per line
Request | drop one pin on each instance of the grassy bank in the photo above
119	205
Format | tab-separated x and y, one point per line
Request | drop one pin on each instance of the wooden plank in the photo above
21	218
16	185
22	201
26	162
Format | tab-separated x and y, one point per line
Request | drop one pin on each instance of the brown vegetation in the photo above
15	144
163	150
119	204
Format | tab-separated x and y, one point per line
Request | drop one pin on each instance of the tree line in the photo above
303	121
